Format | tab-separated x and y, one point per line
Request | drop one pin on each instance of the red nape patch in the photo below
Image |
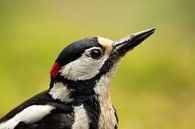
55	69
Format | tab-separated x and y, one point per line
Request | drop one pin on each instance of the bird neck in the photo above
92	94
68	90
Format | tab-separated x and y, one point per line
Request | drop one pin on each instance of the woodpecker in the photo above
78	96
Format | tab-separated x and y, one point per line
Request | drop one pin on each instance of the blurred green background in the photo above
154	87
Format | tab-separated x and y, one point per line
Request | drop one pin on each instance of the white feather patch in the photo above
81	118
61	92
30	114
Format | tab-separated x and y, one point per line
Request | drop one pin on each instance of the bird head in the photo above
83	63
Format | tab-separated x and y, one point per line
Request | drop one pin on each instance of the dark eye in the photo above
96	53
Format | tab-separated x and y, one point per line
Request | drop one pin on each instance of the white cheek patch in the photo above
83	68
30	114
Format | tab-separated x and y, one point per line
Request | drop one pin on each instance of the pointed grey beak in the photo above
122	46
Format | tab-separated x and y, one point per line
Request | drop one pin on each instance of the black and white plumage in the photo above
78	97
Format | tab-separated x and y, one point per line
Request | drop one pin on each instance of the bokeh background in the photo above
154	87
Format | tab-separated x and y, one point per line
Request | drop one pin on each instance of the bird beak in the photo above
122	46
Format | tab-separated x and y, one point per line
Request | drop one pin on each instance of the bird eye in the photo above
96	53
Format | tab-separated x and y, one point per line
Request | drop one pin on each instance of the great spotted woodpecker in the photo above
78	97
